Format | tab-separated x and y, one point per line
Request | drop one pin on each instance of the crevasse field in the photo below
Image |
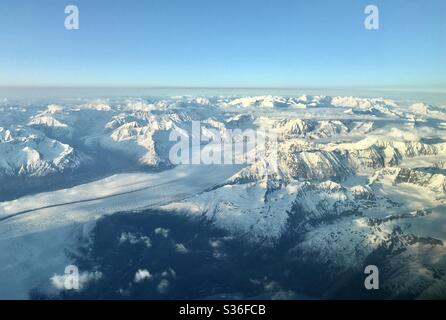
355	181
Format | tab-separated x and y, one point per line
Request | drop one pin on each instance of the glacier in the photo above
355	180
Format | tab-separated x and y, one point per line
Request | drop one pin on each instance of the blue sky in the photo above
224	43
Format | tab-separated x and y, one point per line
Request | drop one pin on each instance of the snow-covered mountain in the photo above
350	181
27	152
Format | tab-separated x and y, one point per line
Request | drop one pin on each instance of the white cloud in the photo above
163	286
59	281
215	243
142	275
134	239
163	232
169	272
179	247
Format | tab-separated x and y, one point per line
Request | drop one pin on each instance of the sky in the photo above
224	43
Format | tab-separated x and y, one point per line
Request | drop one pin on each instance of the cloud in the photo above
163	232
215	243
163	286
61	282
180	248
142	275
276	290
169	272
216	246
134	239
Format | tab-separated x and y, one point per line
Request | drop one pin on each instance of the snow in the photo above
29	152
36	230
242	209
343	160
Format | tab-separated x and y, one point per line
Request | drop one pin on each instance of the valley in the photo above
351	181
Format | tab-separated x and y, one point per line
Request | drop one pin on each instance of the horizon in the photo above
31	94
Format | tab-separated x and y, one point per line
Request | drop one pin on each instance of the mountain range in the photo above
353	180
